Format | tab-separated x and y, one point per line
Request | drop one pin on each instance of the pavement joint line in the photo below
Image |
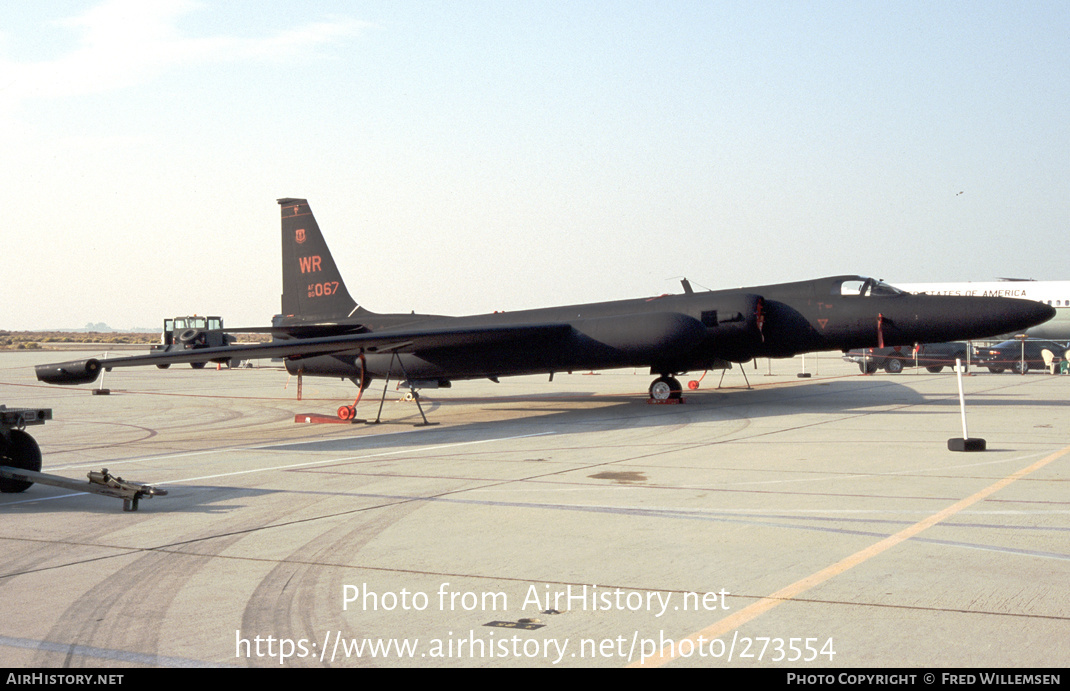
355	458
304	465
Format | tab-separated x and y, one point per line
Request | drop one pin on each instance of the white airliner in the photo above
1054	293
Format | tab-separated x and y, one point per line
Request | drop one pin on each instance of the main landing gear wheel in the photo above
665	388
20	452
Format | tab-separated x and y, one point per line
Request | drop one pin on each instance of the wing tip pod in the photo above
73	372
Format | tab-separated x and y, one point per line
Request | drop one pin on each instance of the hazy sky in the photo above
470	156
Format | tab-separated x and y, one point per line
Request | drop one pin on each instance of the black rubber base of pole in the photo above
959	444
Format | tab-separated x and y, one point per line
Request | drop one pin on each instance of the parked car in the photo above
932	356
1018	356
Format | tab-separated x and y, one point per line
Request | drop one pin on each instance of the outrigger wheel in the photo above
19	450
665	388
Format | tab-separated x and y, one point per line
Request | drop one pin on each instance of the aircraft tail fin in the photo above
312	286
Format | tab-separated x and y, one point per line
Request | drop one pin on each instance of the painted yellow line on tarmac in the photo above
731	622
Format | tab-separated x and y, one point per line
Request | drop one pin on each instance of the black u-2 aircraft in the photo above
322	331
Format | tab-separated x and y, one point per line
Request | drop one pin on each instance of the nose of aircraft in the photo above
982	317
1037	313
1004	315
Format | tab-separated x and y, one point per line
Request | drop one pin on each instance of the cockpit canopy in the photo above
865	287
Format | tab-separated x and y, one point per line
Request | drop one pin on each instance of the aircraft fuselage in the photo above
678	333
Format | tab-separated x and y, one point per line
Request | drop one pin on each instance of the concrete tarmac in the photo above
800	524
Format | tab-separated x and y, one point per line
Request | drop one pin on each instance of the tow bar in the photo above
103	483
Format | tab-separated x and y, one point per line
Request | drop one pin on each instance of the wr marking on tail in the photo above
310	264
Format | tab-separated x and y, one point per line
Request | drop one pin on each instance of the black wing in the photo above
400	341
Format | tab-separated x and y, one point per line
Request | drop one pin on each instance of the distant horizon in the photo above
95	327
85	330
